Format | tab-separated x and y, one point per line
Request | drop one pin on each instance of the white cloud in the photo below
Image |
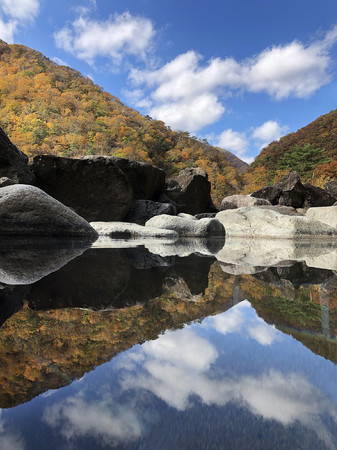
7	30
16	13
235	142
120	35
59	61
191	115
290	70
26	10
10	439
269	131
81	417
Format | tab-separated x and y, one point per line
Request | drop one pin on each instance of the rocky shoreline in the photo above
121	198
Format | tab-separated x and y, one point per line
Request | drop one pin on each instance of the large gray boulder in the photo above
238	201
327	215
26	210
147	181
13	162
93	187
256	222
142	210
190	192
188	227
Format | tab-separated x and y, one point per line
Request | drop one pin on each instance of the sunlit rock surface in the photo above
131	230
326	214
256	222
186	227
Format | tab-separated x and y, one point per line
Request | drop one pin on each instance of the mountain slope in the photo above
50	109
312	151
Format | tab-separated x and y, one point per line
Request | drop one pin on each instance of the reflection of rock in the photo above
235	269
99	279
26	210
11	301
143	259
28	260
252	221
185	247
194	271
285	252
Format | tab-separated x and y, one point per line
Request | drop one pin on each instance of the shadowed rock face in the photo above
147	181
190	192
26	210
94	187
13	162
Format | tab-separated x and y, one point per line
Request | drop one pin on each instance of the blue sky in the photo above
240	73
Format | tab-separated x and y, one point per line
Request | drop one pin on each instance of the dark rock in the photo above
94	187
331	188
316	196
147	181
142	210
4	181
13	162
190	192
289	191
26	210
293	191
270	193
205	216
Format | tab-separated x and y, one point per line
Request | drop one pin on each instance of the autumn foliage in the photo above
50	109
312	151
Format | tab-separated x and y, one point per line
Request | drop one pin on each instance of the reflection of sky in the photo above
231	360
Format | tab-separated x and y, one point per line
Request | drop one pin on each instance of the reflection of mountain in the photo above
50	343
46	349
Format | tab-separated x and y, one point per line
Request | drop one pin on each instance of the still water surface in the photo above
128	348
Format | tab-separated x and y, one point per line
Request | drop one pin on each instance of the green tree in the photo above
303	159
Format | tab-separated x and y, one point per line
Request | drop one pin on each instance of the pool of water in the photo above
160	346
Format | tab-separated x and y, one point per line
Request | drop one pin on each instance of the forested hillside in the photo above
312	151
50	109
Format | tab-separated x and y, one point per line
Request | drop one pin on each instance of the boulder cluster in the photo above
116	197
